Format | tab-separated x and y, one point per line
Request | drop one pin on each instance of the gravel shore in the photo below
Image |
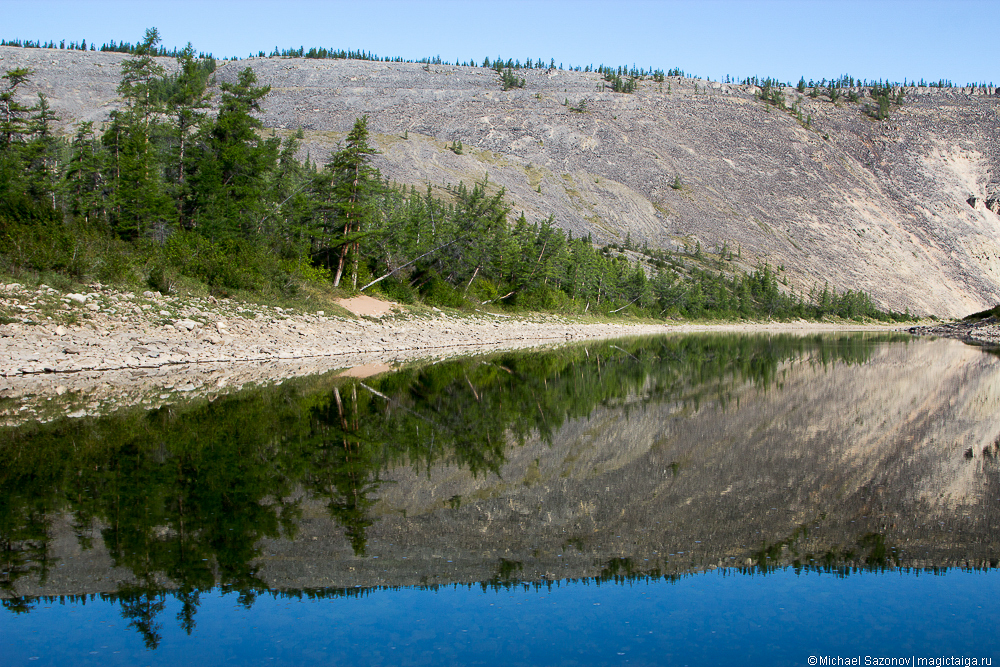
83	353
983	332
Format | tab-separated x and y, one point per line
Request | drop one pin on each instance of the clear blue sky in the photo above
954	40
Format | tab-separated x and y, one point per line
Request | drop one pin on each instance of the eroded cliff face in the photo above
906	209
892	462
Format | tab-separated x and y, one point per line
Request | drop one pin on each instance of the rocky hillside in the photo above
906	209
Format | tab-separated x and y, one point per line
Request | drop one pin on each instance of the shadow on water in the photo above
183	496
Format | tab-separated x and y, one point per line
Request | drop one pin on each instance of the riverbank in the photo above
981	332
83	352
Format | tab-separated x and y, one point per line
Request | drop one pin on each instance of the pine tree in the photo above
185	106
229	176
139	196
138	74
354	185
85	175
13	114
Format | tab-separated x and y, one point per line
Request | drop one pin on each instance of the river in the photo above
688	499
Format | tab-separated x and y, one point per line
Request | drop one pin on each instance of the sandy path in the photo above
116	349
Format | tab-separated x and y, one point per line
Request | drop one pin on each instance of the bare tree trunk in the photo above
354	266
347	232
342	259
474	274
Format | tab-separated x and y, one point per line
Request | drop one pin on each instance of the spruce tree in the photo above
139	196
354	186
13	114
230	174
186	107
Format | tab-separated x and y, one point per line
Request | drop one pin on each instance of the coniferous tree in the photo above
13	114
85	175
354	186
141	202
186	107
230	172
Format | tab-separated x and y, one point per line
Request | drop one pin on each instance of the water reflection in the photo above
620	461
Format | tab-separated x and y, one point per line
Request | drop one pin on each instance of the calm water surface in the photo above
679	500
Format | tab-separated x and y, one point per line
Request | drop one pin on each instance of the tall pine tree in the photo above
355	185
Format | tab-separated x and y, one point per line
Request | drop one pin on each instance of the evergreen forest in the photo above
183	186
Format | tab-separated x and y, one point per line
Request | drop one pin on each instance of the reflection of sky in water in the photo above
705	619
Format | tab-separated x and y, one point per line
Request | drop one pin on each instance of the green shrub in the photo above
983	314
398	290
115	264
540	297
484	290
436	291
160	280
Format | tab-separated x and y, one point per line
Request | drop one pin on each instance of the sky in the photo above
785	39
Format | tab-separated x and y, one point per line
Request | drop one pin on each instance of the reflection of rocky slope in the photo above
890	462
906	209
844	451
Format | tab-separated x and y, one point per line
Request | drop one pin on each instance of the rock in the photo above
186	325
164	313
60	390
78	298
93	307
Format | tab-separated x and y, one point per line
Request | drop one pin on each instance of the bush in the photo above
160	280
398	290
436	291
983	314
33	236
540	297
485	290
115	264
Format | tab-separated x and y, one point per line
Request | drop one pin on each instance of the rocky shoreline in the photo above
981	332
85	353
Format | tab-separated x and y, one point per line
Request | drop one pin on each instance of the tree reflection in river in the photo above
183	496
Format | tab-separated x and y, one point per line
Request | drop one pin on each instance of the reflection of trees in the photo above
346	466
869	552
24	548
141	604
185	494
